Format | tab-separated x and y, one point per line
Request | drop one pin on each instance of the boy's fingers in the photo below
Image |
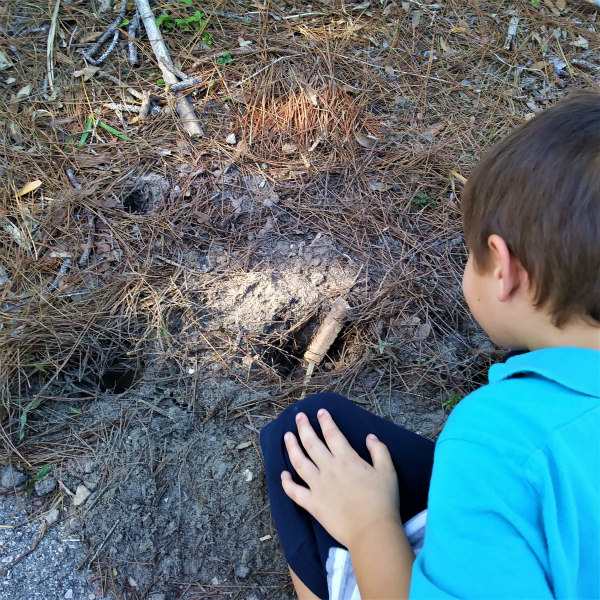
303	465
336	441
298	493
314	447
380	455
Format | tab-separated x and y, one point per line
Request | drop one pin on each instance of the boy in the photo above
513	503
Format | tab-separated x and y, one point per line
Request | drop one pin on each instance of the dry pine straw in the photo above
358	116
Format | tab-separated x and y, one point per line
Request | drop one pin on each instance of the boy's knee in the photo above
286	421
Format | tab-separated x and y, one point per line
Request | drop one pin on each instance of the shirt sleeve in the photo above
484	534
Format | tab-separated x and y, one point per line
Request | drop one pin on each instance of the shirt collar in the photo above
574	368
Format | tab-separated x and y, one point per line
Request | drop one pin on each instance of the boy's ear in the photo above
508	272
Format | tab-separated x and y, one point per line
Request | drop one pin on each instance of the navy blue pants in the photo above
304	542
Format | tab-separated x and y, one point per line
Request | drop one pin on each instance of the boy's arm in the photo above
357	503
382	561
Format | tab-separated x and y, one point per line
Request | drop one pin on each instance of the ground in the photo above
158	290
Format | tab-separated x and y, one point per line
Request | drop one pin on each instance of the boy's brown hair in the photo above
539	189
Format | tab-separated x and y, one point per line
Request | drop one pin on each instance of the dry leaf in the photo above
435	128
422	332
416	19
366	141
86	72
580	42
24	92
30	187
244	43
5	62
561	4
311	95
380	186
540	64
443	45
289	148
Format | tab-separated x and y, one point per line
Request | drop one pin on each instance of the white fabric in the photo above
341	582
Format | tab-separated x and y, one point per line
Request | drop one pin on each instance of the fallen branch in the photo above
50	49
182	104
132	31
112	29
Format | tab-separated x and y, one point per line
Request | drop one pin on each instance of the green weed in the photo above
23	420
223	60
422	200
195	21
451	401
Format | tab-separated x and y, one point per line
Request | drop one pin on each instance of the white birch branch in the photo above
182	103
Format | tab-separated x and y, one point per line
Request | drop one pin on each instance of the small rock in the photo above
10	477
132	582
272	200
24	92
5	62
52	516
317	278
242	571
68	594
157	596
81	495
45	486
231	139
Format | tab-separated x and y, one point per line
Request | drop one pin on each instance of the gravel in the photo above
47	573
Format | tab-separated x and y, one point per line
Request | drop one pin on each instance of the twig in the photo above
71	178
118	82
112	529
122	107
50	49
269	65
145	105
173	69
182	104
132	32
58	280
72	36
585	64
234	52
511	33
111	30
184	85
88	247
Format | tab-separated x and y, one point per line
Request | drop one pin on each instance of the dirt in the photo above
178	502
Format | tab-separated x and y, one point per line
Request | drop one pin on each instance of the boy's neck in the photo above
576	334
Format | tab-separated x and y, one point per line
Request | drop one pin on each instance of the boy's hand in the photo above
345	494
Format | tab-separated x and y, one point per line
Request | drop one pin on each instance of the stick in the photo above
327	332
50	48
187	83
183	105
132	31
112	29
103	543
511	33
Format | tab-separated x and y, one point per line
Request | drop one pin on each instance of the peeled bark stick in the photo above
327	332
183	105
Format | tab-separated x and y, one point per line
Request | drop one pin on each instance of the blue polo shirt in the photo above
514	503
